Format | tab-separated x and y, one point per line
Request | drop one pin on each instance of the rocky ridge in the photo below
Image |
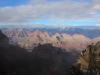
28	39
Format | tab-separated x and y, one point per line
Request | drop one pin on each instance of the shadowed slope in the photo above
43	60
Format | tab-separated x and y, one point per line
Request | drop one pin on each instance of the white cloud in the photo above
97	25
59	11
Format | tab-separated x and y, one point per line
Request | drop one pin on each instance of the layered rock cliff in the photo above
30	39
90	58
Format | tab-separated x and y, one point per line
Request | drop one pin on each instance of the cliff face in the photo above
90	58
29	39
3	38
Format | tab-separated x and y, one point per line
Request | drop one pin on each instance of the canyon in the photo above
58	51
68	39
43	60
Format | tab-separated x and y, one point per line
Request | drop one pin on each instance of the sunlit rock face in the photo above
3	38
66	39
90	57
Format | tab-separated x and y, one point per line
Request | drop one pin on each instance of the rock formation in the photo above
26	39
88	63
3	38
90	58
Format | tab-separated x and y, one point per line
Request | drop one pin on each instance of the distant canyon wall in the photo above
29	39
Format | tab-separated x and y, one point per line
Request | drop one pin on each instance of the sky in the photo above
50	12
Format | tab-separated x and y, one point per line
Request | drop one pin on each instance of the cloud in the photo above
97	25
61	10
96	4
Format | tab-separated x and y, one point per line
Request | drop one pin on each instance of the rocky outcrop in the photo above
90	58
3	38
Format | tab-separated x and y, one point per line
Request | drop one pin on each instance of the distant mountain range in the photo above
68	38
48	26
